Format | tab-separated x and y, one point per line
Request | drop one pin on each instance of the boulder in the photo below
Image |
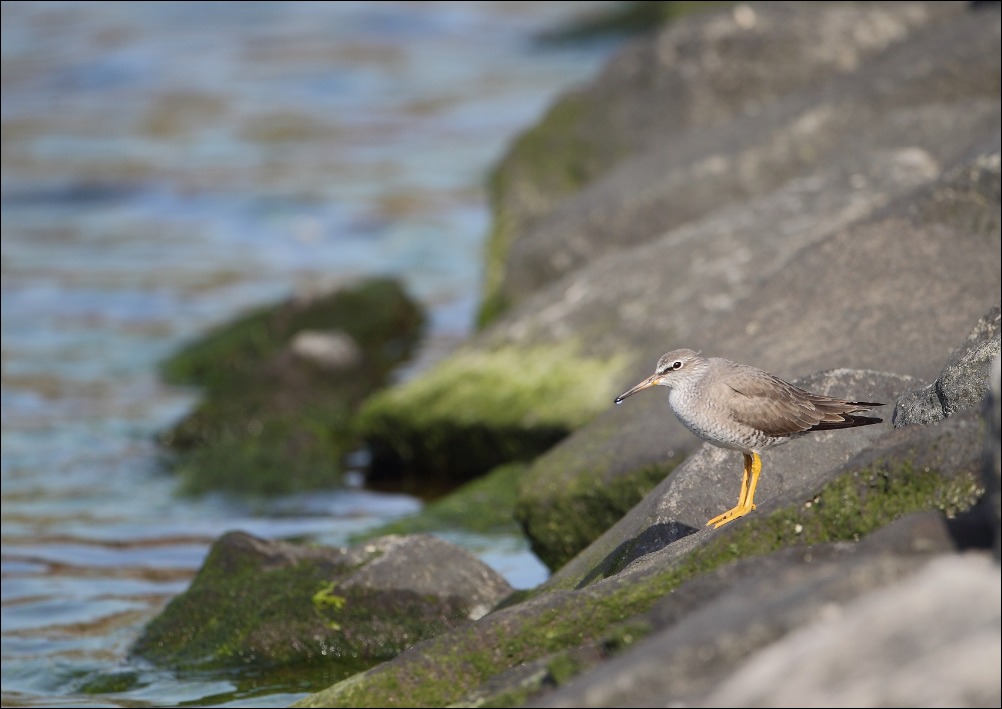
269	603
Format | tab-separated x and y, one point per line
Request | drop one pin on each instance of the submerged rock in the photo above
282	385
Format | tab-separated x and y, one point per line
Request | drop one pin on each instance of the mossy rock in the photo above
478	409
276	421
559	524
251	602
267	604
376	312
550	161
453	667
578	489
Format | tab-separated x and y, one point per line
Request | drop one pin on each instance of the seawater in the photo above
167	166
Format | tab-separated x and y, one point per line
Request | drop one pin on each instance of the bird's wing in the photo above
778	408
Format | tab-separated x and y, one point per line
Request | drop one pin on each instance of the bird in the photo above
737	406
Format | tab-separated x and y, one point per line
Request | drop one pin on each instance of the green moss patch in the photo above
563	518
847	509
554	159
480	409
376	312
451	666
380	624
236	613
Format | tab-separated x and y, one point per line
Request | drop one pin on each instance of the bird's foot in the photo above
730	515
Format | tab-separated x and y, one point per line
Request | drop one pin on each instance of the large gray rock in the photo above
931	640
732	106
863	297
867	237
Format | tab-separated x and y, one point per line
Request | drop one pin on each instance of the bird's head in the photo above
673	368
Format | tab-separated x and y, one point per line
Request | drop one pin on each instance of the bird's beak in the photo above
651	381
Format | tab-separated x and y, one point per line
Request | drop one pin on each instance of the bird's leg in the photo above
749	481
744	482
756	468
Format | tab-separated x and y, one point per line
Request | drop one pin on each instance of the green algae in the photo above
479	409
629	18
469	656
576	142
376	312
560	525
569	497
847	509
379	624
237	614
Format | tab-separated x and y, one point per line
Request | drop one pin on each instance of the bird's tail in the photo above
844	414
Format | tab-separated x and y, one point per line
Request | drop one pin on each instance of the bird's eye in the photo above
676	365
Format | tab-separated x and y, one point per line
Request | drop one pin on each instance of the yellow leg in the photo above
744	481
749	481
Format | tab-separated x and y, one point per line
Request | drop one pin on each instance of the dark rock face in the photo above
964	381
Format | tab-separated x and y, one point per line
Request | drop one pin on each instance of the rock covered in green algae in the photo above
479	409
270	603
282	383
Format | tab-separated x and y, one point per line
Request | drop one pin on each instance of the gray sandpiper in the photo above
737	406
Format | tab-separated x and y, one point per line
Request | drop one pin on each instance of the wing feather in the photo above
777	408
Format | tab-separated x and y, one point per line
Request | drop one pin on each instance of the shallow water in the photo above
165	167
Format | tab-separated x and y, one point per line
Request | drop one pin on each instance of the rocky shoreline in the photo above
813	189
